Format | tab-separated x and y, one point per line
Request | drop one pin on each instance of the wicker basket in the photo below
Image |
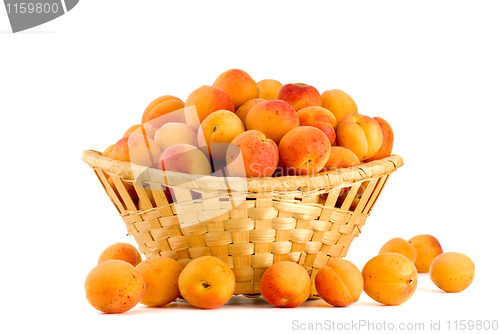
248	223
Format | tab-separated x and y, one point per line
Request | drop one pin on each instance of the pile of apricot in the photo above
121	279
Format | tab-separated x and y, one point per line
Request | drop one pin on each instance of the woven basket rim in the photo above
332	178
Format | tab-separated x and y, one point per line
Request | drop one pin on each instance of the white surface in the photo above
430	69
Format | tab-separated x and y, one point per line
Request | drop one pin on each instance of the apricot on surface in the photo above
390	278
121	251
161	275
400	246
428	247
207	282
452	271
339	283
114	286
285	284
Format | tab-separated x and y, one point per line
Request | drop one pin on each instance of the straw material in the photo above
249	223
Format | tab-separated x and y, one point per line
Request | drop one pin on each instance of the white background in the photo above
430	68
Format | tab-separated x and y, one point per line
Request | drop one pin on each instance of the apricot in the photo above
154	103
339	283
239	85
114	286
208	99
385	149
361	134
251	154
217	131
184	158
161	275
341	157
285	284
400	246
452	271
245	108
121	251
304	150
428	247
273	118
320	118
355	201
171	134
145	129
207	282
268	88
299	95
166	112
136	148
128	187
390	278
339	103
108	150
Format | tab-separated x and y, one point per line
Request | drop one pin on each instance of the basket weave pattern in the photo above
248	223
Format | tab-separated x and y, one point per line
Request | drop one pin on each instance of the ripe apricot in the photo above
285	284
339	283
390	278
114	286
108	150
245	108
166	112
121	251
154	103
207	282
428	247
339	103
161	275
400	246
268	88
239	85
208	99
145	129
137	148
452	271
